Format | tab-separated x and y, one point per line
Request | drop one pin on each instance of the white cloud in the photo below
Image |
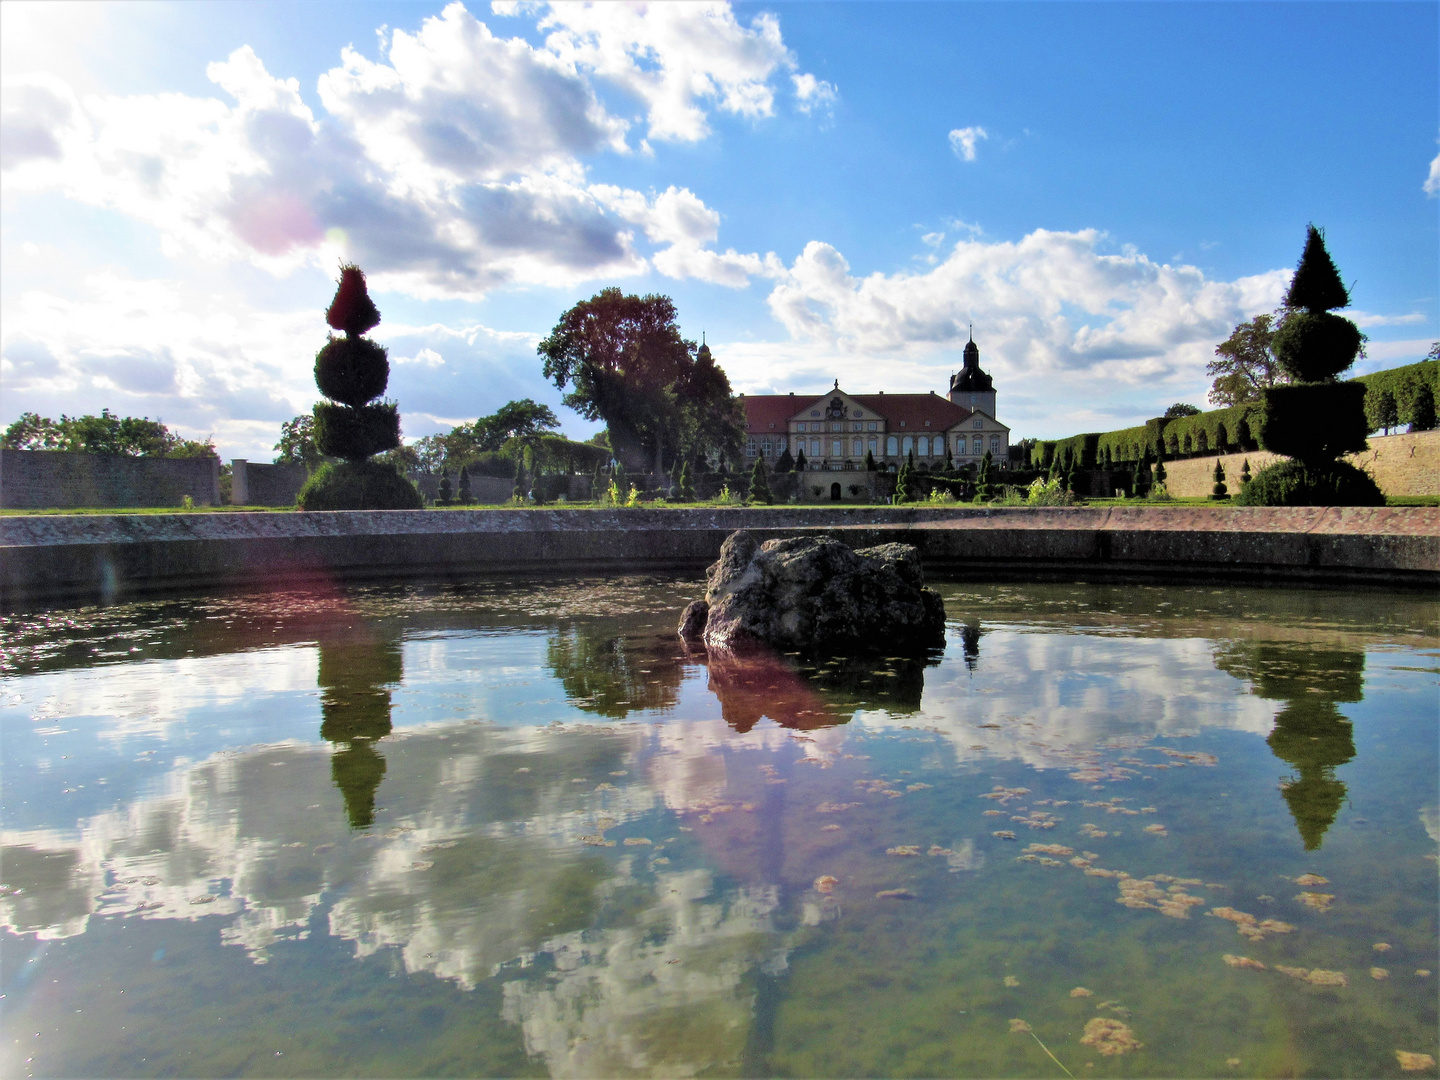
1365	320
675	58
963	140
1432	182
812	93
453	165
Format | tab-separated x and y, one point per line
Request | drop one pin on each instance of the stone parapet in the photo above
67	558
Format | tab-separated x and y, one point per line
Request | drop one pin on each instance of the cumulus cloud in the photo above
1432	182
455	164
676	59
963	140
1050	309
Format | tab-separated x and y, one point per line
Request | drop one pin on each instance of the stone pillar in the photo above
239	482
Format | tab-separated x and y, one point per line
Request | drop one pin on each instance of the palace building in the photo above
837	429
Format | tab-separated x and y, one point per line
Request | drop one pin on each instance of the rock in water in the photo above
814	592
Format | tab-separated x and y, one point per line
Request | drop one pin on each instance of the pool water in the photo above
516	829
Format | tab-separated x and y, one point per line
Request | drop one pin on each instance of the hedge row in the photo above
1403	382
1235	428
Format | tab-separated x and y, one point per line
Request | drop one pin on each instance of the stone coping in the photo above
66	558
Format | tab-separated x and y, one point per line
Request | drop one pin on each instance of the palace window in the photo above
871	426
750	448
995	443
874	446
800	426
979	423
922	447
837	427
780	445
857	447
814	447
892	446
835	450
765	448
960	445
906	445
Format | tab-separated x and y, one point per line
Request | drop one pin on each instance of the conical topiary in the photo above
464	492
1316	419
760	484
352	371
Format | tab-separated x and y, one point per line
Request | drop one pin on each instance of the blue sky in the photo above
826	190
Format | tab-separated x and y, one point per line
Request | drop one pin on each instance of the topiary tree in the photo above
760	484
465	497
784	463
1219	491
905	486
870	465
687	488
1316	419
352	371
800	460
443	497
1244	473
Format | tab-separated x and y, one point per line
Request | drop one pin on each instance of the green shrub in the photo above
1292	483
358	485
352	370
344	431
1314	422
759	484
1315	345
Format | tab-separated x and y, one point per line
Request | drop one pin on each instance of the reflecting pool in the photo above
515	829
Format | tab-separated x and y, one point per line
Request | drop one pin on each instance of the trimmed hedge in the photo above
358	485
1404	382
1237	428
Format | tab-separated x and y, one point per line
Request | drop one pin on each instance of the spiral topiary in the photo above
1314	420
352	371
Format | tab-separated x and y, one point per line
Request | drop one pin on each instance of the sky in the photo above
827	192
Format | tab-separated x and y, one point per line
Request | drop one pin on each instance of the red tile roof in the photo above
914	409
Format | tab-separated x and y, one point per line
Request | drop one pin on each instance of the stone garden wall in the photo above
58	479
1400	464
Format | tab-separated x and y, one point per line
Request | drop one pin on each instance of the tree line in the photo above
129	436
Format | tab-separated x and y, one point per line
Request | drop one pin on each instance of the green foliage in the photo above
1245	476
624	361
354	434
352	370
1314	422
1316	285
129	436
444	495
870	465
906	489
463	492
1414	387
297	444
1422	409
800	461
1381	411
687	488
1219	429
760	484
1293	483
352	310
358	485
1312	346
1180	409
784	463
1048	493
521	486
1246	363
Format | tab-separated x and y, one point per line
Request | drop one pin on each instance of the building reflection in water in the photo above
358	669
1311	735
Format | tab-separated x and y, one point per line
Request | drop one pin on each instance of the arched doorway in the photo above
834	492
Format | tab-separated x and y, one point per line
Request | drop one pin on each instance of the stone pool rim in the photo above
62	559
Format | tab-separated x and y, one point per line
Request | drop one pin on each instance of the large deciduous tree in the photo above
624	362
1245	363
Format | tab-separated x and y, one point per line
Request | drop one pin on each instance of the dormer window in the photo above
858	414
814	412
927	423
772	427
902	423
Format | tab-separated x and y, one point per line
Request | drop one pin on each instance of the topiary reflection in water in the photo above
1310	734
357	670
